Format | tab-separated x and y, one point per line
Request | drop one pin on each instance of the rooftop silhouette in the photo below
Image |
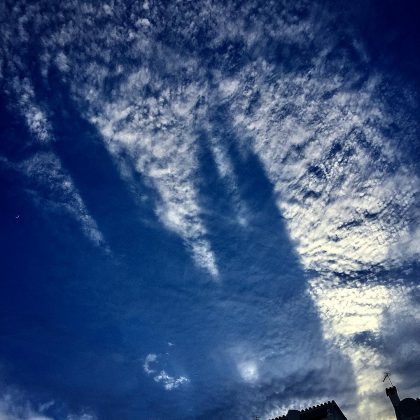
406	409
325	411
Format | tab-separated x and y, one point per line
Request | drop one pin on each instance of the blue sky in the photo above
209	209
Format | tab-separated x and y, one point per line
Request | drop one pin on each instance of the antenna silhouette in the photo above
388	376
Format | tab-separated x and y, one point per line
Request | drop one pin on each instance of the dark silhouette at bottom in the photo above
407	409
326	411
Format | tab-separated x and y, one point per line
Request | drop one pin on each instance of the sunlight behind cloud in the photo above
248	371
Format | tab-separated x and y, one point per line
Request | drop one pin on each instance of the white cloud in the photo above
150	358
343	210
83	416
15	405
168	382
44	169
228	87
160	135
352	309
10	409
144	22
34	116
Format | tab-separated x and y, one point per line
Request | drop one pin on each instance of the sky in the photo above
209	209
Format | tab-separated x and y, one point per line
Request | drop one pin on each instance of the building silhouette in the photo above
407	409
326	411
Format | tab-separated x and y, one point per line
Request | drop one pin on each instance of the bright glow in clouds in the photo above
354	310
248	370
